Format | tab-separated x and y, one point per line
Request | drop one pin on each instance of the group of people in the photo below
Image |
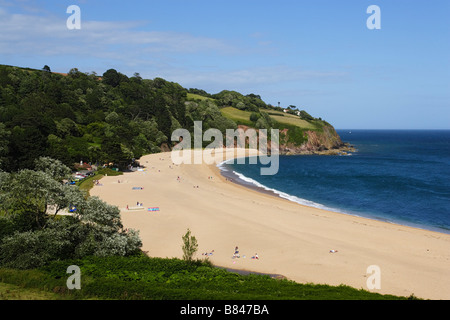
208	253
237	255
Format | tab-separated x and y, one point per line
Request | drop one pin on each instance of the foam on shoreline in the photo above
245	181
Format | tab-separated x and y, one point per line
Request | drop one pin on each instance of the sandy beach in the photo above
290	239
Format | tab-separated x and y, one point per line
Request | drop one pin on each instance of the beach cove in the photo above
304	244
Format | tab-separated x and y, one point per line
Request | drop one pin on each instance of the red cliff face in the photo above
325	142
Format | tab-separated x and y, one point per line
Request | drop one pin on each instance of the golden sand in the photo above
290	239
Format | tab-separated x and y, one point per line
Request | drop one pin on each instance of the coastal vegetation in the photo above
114	118
145	278
43	219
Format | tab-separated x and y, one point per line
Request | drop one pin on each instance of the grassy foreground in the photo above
14	292
144	278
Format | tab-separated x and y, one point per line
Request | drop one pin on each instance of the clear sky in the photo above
318	55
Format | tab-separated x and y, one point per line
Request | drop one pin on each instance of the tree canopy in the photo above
84	117
31	231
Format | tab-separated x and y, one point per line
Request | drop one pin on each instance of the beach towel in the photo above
153	209
135	208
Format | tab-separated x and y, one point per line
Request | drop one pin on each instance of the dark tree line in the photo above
84	116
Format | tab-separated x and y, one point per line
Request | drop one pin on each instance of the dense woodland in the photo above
110	118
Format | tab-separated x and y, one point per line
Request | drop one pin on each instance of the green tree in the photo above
30	196
254	117
116	152
189	247
33	236
52	167
4	141
113	78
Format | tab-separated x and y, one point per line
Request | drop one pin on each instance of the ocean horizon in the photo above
396	176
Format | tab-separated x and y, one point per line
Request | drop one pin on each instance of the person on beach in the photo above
236	253
208	253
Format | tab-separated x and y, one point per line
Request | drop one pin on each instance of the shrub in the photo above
254	117
29	249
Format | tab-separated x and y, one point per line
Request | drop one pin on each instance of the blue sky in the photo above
317	55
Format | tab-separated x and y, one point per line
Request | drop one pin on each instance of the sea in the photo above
396	176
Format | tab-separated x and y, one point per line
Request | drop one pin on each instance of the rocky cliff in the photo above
325	142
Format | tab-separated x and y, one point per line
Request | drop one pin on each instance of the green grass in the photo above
296	126
238	116
276	112
243	117
143	278
283	120
88	183
295	121
193	97
14	292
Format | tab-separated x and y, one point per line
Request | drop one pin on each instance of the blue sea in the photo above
397	176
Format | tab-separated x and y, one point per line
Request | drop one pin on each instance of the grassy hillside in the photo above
238	116
297	135
194	97
295	121
243	117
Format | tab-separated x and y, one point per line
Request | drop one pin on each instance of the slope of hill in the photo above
114	118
